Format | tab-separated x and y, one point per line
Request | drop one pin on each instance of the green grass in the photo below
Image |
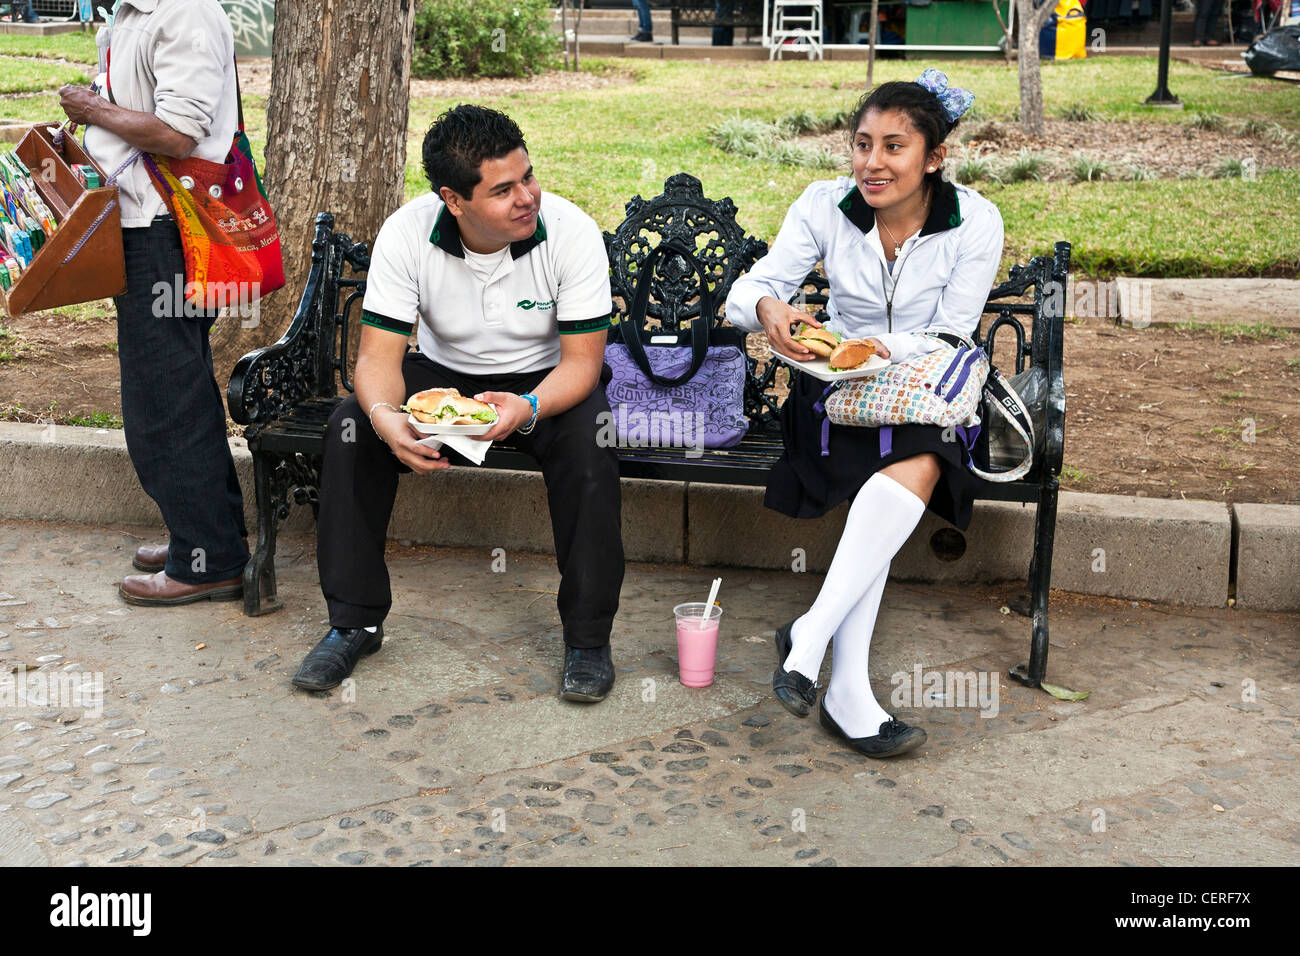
79	47
1086	168
974	169
1233	167
1074	475
11	346
771	142
1207	120
1078	113
1157	228
43	107
1026	166
96	420
1240	330
32	76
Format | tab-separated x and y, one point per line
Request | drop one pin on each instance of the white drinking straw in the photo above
713	595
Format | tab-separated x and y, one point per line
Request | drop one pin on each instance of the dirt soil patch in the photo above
1166	151
1156	412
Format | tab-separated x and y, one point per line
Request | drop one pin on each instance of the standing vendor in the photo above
170	90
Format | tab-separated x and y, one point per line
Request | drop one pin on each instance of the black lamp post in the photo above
1162	96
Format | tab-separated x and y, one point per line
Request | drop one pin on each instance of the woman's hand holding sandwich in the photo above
795	334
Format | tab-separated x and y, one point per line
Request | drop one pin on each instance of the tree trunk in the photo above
1008	30
871	43
335	141
1031	77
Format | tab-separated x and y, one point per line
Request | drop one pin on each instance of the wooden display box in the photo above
83	260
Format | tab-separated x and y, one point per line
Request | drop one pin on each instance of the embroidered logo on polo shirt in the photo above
528	304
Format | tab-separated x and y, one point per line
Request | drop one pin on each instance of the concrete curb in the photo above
1178	552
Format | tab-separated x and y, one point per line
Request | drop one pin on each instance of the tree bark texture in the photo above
336	140
1031	76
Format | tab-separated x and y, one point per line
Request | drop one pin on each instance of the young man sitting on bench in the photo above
507	290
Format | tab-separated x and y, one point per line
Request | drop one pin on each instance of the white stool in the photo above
799	22
858	12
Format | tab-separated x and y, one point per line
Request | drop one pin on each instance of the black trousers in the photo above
1207	19
172	412
359	483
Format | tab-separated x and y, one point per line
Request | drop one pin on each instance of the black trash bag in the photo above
1005	448
1276	50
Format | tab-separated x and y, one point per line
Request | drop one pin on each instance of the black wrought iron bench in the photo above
708	13
283	394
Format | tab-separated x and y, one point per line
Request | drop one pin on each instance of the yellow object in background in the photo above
1071	31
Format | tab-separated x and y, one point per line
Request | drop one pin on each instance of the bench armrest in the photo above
269	382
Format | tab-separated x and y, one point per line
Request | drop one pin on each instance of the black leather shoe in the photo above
332	660
795	692
894	738
588	673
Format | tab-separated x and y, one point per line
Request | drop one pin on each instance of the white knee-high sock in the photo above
880	520
849	698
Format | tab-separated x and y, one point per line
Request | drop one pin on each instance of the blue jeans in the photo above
172	412
643	22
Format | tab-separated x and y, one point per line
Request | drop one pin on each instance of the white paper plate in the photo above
429	429
820	368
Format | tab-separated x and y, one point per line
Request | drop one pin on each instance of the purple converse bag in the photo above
706	411
687	395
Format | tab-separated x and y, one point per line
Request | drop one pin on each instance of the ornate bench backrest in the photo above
681	213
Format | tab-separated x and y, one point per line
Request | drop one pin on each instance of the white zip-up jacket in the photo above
174	59
939	282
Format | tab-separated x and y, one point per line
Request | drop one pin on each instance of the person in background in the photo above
723	36
1207	22
645	25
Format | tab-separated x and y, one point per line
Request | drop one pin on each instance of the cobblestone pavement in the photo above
451	748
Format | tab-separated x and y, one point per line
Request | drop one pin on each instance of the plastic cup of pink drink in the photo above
697	647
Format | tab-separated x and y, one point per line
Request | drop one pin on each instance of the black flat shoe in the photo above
332	660
894	738
796	693
588	674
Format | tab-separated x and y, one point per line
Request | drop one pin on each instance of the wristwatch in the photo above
532	400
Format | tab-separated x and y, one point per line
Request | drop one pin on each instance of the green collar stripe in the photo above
446	236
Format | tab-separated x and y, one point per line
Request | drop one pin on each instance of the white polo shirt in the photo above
491	313
939	282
